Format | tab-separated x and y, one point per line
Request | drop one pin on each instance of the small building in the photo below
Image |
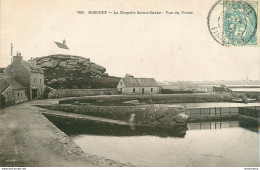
12	92
60	47
28	74
218	88
131	85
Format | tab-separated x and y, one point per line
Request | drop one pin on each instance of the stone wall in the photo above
147	115
138	90
73	126
20	95
60	93
155	99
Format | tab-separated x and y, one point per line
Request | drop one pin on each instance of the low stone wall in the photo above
60	93
155	99
149	115
74	126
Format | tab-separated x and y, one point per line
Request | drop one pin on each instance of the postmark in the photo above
234	23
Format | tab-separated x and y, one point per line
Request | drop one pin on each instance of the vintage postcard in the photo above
129	83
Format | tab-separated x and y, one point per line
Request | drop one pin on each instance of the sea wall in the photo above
74	126
154	99
147	115
60	93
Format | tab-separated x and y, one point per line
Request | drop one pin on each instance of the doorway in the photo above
142	90
34	94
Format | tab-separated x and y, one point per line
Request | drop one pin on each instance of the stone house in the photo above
28	74
131	85
11	92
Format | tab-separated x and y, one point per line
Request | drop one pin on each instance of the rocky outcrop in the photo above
74	72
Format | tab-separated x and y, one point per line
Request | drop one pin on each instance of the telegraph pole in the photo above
11	53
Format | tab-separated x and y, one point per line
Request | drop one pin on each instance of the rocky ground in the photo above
30	139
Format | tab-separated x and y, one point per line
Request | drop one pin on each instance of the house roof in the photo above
15	85
61	45
139	82
33	67
3	85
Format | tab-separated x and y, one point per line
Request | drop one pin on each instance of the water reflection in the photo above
207	147
226	143
224	124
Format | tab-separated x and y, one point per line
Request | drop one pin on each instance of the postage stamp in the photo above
234	23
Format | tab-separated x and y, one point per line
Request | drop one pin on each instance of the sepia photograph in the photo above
129	83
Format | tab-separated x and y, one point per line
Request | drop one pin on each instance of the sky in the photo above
165	47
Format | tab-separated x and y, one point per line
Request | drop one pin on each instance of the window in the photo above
34	80
151	89
18	94
40	81
21	94
133	90
41	90
121	83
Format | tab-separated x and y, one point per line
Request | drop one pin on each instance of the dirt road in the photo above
27	138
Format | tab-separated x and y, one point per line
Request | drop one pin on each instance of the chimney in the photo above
18	57
64	42
32	61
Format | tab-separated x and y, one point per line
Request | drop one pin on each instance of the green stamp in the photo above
240	23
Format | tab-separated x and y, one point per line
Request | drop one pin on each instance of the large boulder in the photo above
181	118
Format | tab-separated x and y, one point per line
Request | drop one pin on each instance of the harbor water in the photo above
204	144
